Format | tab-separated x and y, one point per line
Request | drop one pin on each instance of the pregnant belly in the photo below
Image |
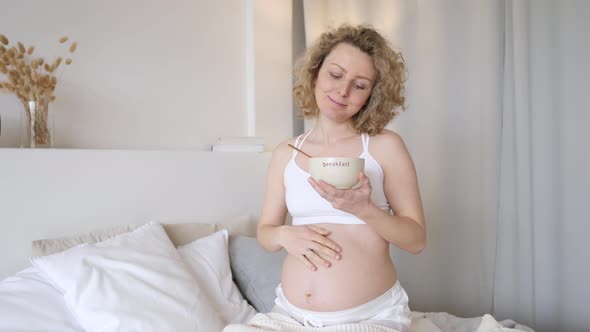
364	272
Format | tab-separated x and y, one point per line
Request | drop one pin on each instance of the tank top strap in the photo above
365	138
298	144
303	140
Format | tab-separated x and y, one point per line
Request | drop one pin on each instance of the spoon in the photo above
292	146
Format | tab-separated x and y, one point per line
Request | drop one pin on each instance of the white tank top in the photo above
308	207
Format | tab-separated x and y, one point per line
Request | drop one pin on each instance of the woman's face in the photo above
344	82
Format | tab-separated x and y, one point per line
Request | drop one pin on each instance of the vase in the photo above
36	124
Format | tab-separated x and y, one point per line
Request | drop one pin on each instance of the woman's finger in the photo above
324	241
306	261
320	230
324	251
364	180
314	257
327	188
317	187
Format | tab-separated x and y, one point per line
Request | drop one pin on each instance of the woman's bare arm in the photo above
274	209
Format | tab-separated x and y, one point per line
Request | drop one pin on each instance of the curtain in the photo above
494	89
525	192
539	276
513	289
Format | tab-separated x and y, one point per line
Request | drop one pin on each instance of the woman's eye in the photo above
359	87
336	76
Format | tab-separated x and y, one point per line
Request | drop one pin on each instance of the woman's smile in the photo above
335	102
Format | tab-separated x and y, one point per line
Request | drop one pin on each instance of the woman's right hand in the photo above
309	244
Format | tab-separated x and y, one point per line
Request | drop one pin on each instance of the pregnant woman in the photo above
338	268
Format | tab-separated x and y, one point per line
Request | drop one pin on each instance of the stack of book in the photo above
239	144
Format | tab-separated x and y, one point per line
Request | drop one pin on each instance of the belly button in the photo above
308	294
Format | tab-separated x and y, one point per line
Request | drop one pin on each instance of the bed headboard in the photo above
55	192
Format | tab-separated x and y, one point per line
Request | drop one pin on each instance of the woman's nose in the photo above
344	89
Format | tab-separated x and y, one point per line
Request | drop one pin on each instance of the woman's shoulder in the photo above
283	151
284	145
387	139
387	146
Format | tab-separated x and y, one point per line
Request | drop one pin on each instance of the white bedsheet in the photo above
29	303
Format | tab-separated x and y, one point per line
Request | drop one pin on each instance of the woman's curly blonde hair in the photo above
388	91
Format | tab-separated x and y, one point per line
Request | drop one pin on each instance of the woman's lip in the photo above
335	102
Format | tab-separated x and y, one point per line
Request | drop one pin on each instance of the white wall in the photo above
273	70
155	74
298	49
78	191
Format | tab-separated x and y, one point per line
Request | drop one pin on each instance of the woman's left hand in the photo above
353	201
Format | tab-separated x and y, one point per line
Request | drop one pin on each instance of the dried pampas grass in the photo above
31	78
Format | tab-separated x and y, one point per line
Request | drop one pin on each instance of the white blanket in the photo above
421	322
279	322
28	302
445	322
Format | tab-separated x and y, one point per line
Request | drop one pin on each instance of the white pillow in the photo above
208	259
135	281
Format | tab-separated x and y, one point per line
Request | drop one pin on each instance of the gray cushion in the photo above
256	271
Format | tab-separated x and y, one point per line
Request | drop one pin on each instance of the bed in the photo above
73	282
131	241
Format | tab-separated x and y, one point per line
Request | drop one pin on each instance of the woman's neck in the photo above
330	133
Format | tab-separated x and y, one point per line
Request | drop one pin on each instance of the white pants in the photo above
390	310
